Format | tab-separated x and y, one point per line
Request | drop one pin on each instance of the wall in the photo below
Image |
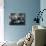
14	33
43	6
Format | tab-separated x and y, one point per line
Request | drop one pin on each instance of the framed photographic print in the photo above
17	19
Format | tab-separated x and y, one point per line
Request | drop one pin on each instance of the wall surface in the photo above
43	6
29	7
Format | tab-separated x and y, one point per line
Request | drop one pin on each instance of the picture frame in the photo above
17	19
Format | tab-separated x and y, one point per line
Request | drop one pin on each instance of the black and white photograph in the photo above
17	19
